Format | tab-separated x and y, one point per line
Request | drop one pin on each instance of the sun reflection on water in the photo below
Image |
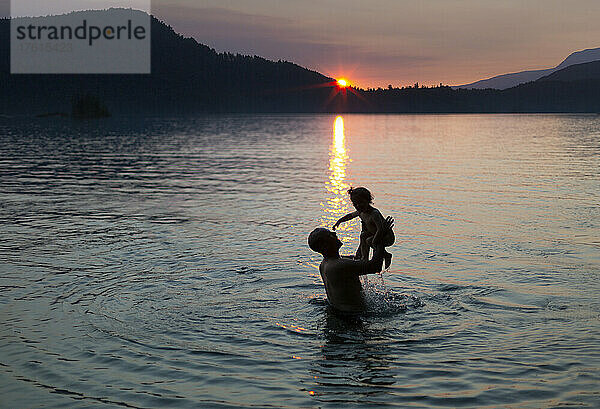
337	203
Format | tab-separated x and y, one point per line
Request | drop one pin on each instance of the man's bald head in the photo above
315	239
323	241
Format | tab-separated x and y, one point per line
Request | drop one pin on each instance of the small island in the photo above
89	107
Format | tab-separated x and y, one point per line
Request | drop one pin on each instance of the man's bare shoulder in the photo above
341	266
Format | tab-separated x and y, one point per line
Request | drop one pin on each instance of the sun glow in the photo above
337	186
337	204
339	140
342	83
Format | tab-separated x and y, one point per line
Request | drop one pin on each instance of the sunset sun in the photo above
342	83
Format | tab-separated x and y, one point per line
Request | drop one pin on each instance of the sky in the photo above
379	42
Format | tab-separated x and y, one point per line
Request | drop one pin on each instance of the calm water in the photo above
163	263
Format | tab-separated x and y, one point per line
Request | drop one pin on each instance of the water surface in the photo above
155	263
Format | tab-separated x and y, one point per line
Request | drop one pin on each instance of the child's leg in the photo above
388	240
387	256
365	245
363	237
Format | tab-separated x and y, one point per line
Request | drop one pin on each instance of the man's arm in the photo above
374	265
347	217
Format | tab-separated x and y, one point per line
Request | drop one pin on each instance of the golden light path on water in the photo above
337	203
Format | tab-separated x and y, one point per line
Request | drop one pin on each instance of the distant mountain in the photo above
186	77
573	89
577	72
580	57
190	78
510	80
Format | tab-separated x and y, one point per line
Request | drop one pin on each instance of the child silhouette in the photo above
372	222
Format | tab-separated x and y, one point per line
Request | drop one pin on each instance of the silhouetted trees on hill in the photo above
188	77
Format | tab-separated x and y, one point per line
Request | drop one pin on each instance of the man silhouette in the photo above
340	273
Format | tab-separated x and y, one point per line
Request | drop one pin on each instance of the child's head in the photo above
361	198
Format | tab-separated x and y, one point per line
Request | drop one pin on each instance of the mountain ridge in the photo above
186	76
575	72
505	81
189	78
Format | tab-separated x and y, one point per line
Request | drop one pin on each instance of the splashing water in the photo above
383	301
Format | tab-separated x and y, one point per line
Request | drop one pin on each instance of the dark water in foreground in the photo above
162	263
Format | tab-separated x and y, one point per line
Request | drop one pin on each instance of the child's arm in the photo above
347	217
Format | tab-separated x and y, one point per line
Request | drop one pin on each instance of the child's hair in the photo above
361	192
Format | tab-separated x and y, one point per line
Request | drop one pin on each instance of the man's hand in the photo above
388	224
335	226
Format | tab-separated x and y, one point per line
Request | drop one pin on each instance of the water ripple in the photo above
162	262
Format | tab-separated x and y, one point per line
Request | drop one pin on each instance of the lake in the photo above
162	262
